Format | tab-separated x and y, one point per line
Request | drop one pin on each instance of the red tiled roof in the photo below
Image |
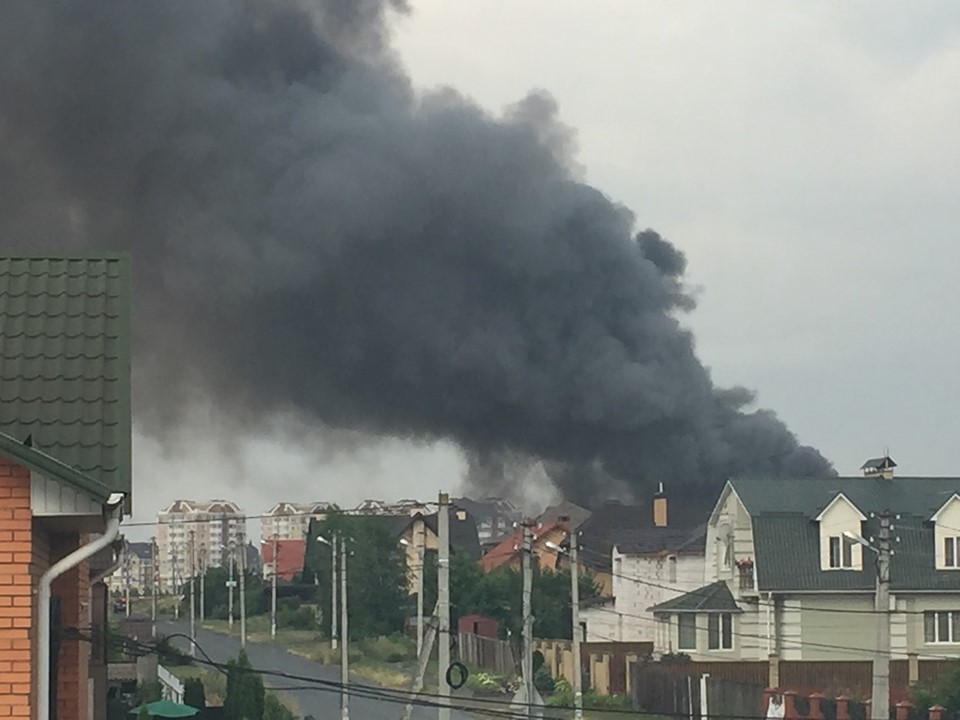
509	548
290	554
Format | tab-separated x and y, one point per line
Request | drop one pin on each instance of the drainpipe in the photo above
117	562
114	508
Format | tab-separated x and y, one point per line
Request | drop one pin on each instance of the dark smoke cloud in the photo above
311	235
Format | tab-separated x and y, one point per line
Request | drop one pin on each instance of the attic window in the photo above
841	553
951	551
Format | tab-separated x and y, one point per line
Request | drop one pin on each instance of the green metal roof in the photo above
715	597
787	537
65	361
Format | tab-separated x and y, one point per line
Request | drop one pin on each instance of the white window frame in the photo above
693	619
951	543
722	623
932	620
845	559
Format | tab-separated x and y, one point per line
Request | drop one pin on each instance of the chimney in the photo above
881	467
660	508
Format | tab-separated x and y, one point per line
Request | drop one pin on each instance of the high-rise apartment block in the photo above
290	521
193	536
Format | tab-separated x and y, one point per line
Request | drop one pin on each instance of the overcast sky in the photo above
805	156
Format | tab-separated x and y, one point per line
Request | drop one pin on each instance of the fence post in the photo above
816	712
843	707
936	712
773	672
903	709
913	668
704	701
790	705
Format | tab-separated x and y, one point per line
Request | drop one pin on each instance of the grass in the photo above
143	605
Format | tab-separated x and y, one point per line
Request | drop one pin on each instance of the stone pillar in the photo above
790	705
816	712
628	662
903	709
843	707
913	668
773	674
936	712
566	662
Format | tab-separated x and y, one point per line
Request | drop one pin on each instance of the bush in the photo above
298	618
543	681
388	648
485	683
273	709
193	693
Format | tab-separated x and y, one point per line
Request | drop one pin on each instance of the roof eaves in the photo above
840	496
52	468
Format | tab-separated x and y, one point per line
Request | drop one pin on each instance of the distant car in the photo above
120	605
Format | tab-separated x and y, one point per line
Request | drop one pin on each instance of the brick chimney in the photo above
660	508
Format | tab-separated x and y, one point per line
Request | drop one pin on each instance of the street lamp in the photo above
419	569
575	618
231	583
332	544
850	535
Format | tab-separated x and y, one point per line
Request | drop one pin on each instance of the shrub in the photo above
273	709
388	648
543	681
485	683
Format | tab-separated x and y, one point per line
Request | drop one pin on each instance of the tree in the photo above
194	694
245	693
376	572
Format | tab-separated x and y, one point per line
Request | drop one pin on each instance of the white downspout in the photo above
117	562
82	553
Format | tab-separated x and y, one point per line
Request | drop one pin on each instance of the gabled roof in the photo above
715	597
880	463
510	547
943	507
786	535
142	550
65	360
840	498
52	468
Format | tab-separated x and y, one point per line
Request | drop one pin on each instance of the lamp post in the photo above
419	568
333	587
880	696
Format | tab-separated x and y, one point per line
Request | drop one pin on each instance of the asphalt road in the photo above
322	703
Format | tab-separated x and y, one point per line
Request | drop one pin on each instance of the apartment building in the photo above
194	535
290	521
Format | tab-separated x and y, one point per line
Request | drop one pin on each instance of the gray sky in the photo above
803	155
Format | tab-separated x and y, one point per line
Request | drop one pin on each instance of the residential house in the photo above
195	535
787	575
419	536
289	558
573	515
290	521
65	473
545	543
495	518
135	571
657	554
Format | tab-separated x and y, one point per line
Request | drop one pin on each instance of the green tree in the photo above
245	694
376	572
194	694
273	709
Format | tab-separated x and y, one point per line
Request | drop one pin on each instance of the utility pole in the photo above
443	602
422	660
333	592
575	615
193	597
273	590
344	653
420	561
154	576
173	576
881	663
126	579
527	659
203	588
230	583
243	595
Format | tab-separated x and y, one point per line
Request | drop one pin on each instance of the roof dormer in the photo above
838	520
946	534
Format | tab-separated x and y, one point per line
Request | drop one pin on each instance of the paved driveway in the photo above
321	703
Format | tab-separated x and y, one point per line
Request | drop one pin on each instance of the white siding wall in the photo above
947	525
837	519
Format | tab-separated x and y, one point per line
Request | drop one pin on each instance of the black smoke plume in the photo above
311	234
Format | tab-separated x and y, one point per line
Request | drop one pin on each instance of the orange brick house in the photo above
64	471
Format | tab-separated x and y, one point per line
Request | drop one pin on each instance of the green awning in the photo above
167	709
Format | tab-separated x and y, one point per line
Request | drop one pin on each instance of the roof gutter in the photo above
114	509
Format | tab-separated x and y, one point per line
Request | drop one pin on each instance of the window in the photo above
951	556
941	626
686	631
841	552
672	569
720	631
746	575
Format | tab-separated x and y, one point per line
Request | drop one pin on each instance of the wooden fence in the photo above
659	689
491	654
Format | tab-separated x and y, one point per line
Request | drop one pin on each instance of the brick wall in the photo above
16	598
26	551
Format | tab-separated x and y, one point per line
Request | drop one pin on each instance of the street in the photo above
322	702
